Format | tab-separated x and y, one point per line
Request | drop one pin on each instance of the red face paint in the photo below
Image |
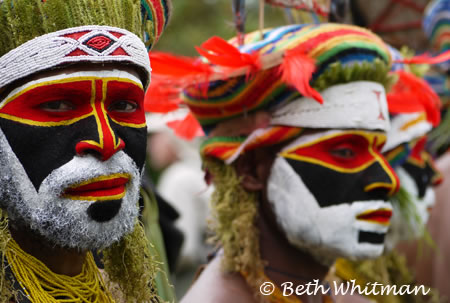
349	152
49	121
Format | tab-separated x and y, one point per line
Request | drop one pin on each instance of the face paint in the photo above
421	167
72	149
418	174
329	190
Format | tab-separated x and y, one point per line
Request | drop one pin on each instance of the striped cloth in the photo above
158	12
218	101
436	24
329	43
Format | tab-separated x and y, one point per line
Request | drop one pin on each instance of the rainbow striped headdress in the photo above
158	13
436	24
302	74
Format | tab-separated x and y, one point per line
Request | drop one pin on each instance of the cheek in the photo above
40	150
135	142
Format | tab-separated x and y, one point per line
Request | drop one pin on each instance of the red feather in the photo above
161	96
296	70
178	66
412	94
427	59
220	52
188	128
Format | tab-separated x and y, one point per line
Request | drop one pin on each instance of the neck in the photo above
286	263
59	260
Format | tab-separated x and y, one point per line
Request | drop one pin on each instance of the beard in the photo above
66	222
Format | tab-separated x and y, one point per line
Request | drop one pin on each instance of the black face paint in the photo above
331	187
43	149
423	176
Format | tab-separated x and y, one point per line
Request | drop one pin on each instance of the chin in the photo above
69	223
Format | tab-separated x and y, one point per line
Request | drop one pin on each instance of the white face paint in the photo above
412	225
67	220
327	232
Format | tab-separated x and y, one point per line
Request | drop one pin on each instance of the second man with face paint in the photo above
298	171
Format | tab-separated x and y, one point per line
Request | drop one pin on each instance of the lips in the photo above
380	216
111	187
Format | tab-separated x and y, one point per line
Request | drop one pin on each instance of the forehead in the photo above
318	137
76	75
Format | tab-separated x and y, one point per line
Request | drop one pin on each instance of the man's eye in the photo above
57	106
123	106
343	153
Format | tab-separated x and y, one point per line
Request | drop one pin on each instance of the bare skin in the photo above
59	260
286	262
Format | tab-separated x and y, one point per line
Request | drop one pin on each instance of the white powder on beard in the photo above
65	221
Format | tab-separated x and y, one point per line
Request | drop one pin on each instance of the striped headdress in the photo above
436	24
269	72
158	12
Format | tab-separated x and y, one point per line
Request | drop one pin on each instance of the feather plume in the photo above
188	128
297	70
161	97
412	94
178	66
427	59
220	52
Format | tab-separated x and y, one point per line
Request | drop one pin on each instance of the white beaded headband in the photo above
91	43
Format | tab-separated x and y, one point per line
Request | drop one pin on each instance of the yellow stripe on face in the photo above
132	125
92	198
289	153
44	124
67	80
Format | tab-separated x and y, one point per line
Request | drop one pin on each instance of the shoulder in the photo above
215	286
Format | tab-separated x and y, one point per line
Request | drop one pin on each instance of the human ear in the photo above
253	168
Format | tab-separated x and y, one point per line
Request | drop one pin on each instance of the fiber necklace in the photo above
41	285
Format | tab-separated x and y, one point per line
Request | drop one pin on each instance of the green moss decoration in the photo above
130	265
234	212
440	136
23	20
377	71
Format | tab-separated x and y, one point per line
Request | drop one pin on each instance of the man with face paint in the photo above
432	267
414	111
72	148
298	172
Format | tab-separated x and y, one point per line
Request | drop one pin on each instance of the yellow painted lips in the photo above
103	188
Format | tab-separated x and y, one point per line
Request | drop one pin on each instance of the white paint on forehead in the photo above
305	139
405	129
357	105
101	73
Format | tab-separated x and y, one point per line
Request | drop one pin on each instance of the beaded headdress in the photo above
40	35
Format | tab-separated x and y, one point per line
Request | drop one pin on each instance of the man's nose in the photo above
105	142
381	179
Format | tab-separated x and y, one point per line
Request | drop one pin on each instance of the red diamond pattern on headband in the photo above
97	43
100	43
